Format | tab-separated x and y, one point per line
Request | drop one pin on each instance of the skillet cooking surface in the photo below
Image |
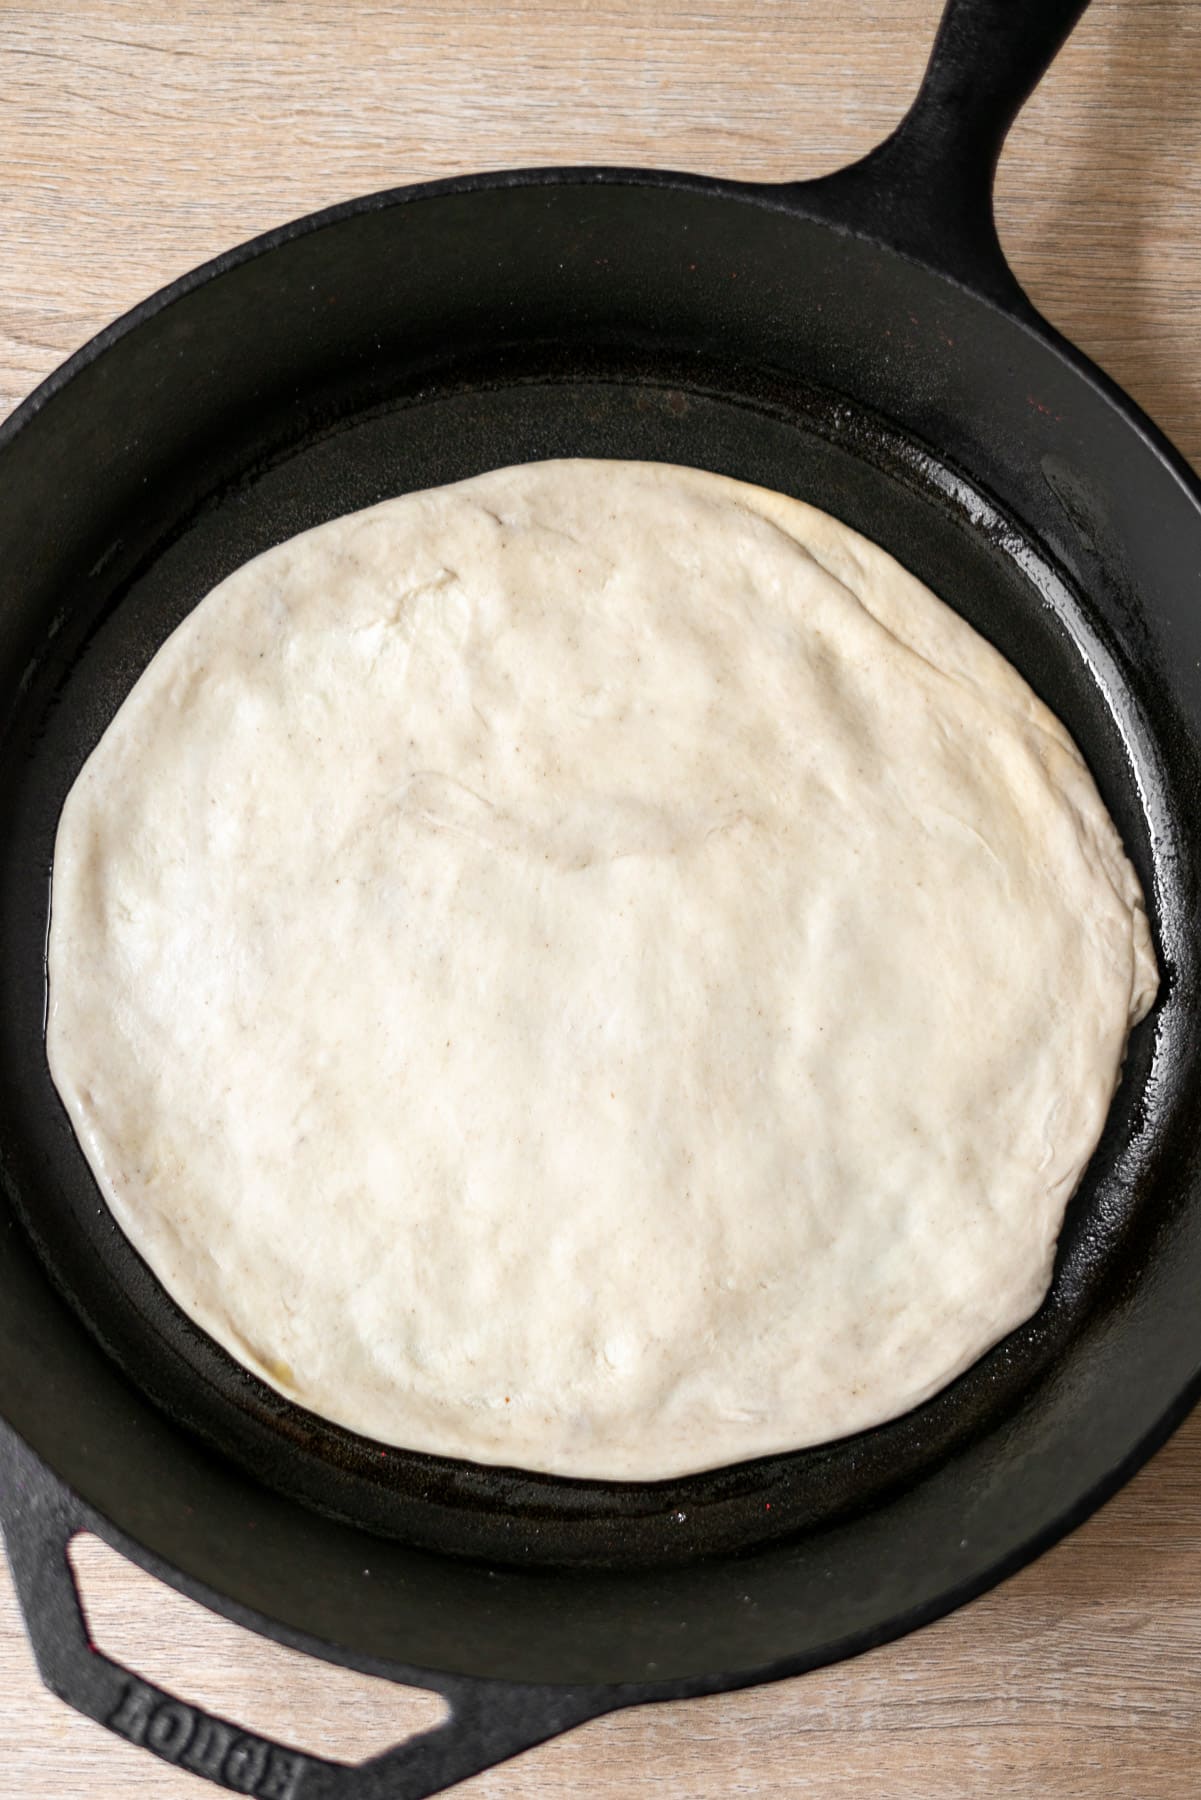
800	440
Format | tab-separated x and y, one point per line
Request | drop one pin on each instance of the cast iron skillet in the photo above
859	341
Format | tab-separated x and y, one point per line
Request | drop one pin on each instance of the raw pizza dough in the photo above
594	968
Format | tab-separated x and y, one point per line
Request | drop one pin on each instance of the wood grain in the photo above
138	138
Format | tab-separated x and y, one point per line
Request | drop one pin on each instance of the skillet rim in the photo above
788	198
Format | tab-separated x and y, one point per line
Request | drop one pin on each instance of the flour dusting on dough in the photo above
594	968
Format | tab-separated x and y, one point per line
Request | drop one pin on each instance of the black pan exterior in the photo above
417	337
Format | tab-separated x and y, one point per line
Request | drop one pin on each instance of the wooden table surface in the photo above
138	138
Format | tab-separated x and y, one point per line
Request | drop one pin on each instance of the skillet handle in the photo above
488	1723
926	191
